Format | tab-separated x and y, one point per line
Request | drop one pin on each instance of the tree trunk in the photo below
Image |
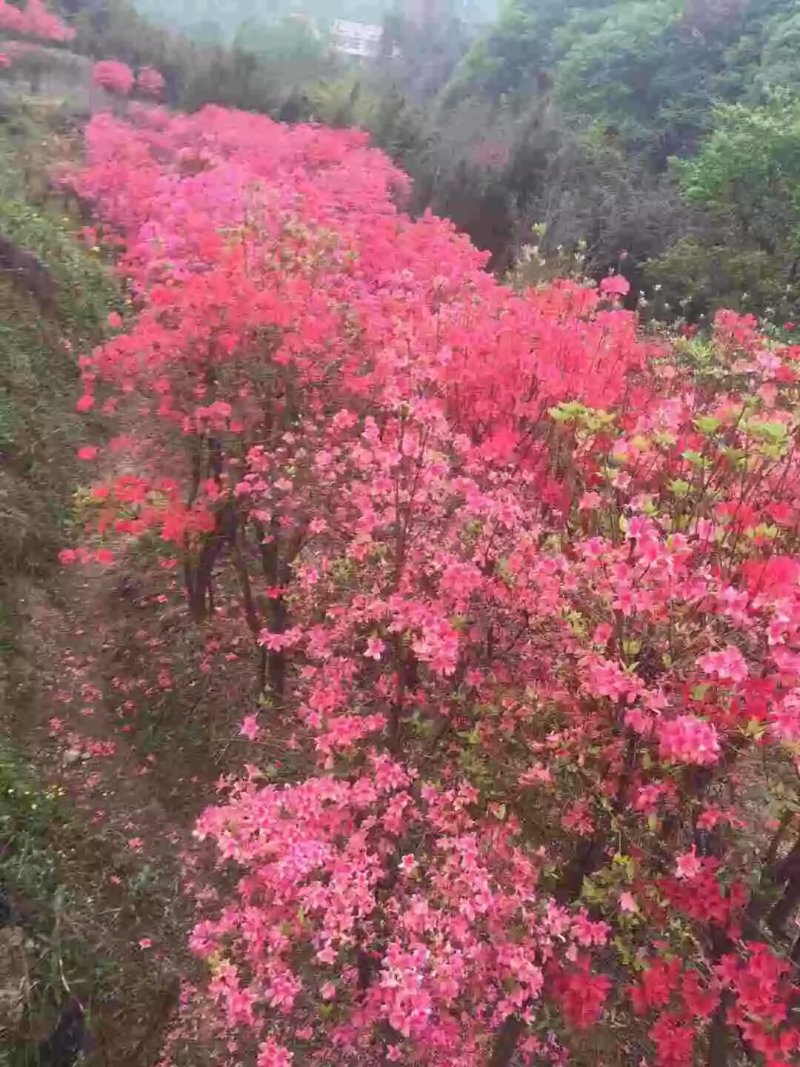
505	1044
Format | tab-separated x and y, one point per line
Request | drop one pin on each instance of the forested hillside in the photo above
657	138
660	127
400	632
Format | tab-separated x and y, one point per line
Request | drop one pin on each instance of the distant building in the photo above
361	40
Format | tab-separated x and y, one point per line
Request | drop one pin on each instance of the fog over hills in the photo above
220	19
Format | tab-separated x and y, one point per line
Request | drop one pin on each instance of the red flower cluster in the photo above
150	82
524	581
34	20
115	77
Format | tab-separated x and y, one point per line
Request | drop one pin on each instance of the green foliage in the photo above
39	429
255	64
509	58
29	820
644	80
85	290
30	823
611	74
37	372
289	40
564	112
40	223
780	57
38	842
748	171
419	59
746	178
39	432
395	124
700	273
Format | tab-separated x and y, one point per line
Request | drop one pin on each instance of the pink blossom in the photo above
687	739
615	285
249	727
688	866
500	488
408	864
537	774
375	648
785	718
114	76
271	1054
627	903
728	664
151	81
34	20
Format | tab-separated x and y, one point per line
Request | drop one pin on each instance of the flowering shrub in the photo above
150	82
526	583
34	20
115	77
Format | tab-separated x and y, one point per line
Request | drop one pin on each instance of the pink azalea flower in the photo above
688	866
627	903
249	727
375	648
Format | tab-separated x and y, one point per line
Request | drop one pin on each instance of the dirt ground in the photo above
128	717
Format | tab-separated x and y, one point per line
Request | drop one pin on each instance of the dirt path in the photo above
126	712
119	846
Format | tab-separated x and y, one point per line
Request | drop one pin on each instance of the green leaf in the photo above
694	458
590	891
570	411
707	425
769	431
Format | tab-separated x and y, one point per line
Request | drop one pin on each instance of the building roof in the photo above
356	38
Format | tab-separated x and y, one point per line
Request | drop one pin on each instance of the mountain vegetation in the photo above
598	125
658	129
400	608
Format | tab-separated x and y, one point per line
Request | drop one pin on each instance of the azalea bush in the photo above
114	76
150	82
522	590
33	20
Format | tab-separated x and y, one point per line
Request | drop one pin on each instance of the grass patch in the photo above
42	849
39	428
36	908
